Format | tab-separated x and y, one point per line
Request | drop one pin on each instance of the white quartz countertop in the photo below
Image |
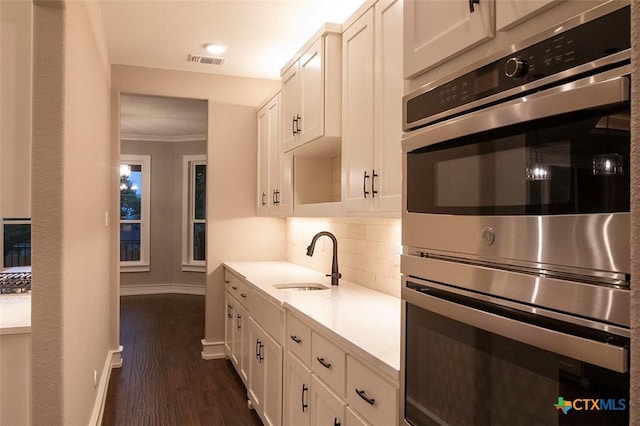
356	315
15	313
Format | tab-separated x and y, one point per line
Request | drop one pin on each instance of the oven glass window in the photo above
564	165
457	374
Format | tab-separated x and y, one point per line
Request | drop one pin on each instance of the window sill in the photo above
193	268
134	268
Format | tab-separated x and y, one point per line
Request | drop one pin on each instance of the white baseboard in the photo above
113	360
212	350
138	290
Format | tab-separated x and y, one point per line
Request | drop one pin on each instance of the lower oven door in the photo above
466	365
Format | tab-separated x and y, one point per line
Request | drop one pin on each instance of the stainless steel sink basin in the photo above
305	286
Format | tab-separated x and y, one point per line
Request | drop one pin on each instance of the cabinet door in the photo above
241	330
354	420
273	114
290	107
388	115
228	325
296	392
271	358
327	408
285	197
510	13
256	366
436	30
311	120
263	159
358	113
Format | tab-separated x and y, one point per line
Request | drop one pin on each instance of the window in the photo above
194	212
135	190
16	247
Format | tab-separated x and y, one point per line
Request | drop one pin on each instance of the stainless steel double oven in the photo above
516	240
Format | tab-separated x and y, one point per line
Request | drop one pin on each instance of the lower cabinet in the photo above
265	375
315	381
297	377
333	386
327	408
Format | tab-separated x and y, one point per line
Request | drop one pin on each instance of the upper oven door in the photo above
554	164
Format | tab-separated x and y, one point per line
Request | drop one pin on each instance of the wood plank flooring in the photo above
164	380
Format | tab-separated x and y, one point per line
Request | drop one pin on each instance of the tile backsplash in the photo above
368	249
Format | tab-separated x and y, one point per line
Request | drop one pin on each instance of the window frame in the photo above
142	265
189	163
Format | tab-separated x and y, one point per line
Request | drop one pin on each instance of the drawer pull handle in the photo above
243	295
362	394
323	362
233	287
227	281
336	422
238	325
296	339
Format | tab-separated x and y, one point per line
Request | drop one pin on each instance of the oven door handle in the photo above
604	355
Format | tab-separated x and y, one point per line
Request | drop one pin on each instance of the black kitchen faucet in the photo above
335	275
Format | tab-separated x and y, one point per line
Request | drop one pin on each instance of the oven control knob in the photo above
515	67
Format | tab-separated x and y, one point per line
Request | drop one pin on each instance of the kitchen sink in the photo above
304	286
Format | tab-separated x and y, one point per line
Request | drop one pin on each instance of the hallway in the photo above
164	380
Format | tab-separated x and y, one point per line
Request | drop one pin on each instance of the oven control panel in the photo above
583	44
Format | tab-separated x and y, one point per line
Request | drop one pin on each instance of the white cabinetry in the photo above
265	379
511	12
342	386
236	336
372	110
297	387
275	167
311	91
328	408
436	30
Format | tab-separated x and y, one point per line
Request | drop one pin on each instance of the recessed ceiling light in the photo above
215	48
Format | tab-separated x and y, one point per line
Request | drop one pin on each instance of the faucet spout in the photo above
335	275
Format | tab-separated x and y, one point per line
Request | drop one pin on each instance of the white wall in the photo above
72	178
15	104
233	230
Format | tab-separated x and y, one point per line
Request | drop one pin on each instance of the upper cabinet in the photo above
275	167
510	13
311	91
436	30
372	110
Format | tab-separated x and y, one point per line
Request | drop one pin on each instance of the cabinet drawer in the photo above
298	338
328	361
370	395
236	287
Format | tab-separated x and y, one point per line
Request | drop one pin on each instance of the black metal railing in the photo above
17	253
129	250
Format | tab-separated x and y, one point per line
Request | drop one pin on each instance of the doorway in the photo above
163	145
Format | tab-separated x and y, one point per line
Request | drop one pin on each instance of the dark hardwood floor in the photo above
164	380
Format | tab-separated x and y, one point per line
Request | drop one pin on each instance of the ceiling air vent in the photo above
205	60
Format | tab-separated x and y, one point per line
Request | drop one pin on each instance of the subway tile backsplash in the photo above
368	249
